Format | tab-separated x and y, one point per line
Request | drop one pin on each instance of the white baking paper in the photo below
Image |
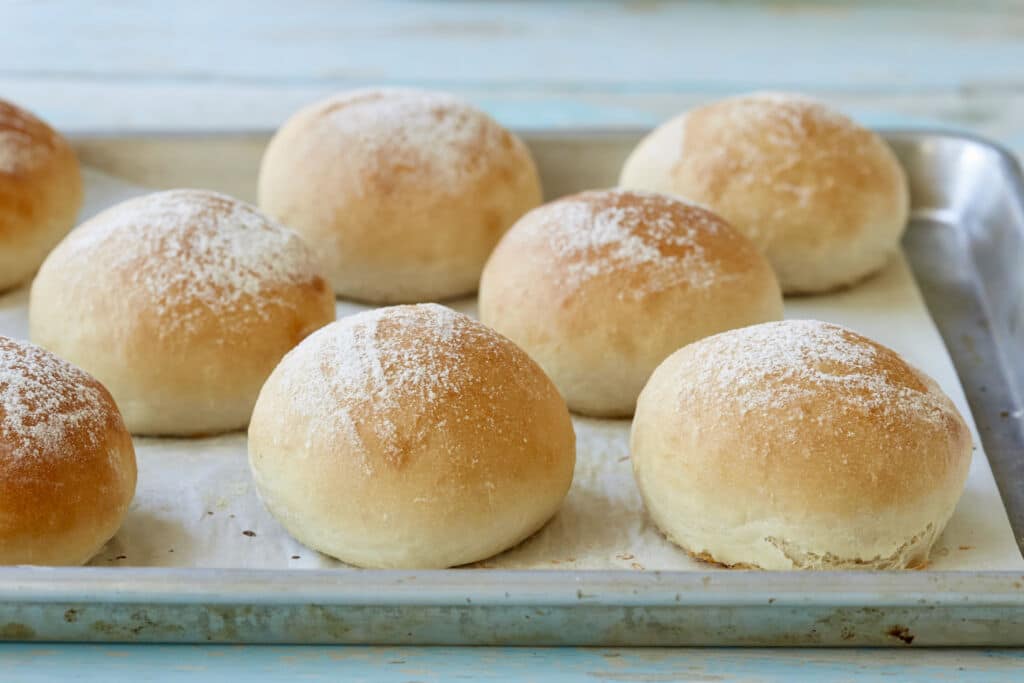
196	506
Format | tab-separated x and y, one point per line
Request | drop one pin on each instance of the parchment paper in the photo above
196	506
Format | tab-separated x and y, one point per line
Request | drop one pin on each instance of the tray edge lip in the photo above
101	134
607	588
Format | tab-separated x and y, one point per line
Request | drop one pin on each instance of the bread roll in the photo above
410	436
181	303
67	465
825	199
602	286
798	445
40	192
403	193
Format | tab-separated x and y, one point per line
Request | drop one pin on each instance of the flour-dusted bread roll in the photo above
410	436
403	193
181	303
824	198
40	192
602	286
798	445
67	465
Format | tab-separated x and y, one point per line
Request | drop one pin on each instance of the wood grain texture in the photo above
407	664
236	64
584	46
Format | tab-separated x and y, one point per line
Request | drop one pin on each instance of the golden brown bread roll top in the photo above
824	198
181	303
410	436
602	286
67	465
403	193
40	192
798	444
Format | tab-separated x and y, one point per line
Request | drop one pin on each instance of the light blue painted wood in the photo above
32	663
570	46
238	64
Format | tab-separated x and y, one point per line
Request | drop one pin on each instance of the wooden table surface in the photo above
229	65
246	65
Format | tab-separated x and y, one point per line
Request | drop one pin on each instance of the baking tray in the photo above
966	246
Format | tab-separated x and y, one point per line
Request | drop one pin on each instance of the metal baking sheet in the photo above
962	188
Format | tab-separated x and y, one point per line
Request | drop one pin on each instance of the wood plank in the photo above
42	662
564	47
248	65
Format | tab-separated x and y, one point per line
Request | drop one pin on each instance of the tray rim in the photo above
33	586
513	587
100	133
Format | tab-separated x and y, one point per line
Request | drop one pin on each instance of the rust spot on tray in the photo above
901	633
71	616
15	631
138	623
